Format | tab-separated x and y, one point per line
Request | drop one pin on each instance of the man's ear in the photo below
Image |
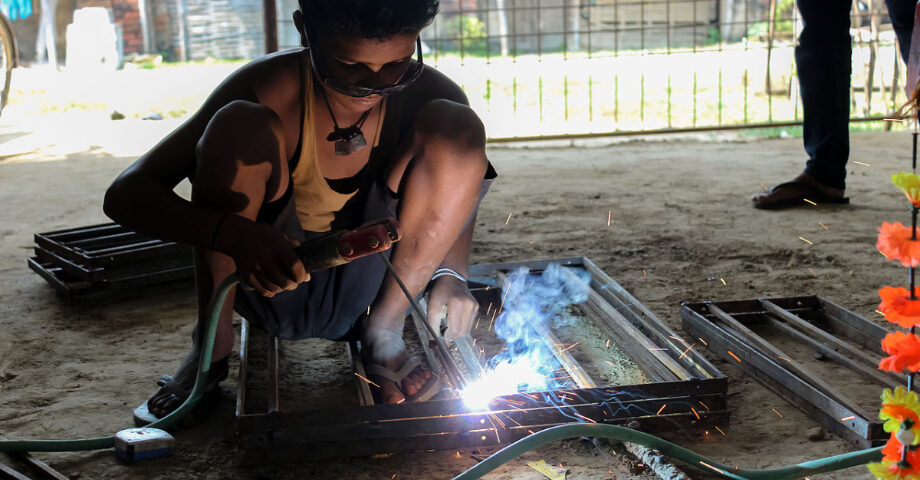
301	28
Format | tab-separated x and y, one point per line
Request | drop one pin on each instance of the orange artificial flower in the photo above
904	351
895	244
898	307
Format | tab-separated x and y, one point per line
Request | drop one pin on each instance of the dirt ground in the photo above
681	221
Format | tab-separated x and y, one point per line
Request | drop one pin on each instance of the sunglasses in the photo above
412	71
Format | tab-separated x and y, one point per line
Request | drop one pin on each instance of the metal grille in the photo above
543	69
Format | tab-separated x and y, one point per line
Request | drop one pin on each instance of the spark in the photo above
493	320
723	281
531	243
509	218
734	356
644	273
806	241
774	411
720	431
880	312
458	454
685	352
366	380
586	418
851	417
478	318
560	351
474	340
661	409
764	186
861	163
809	201
823	225
704	341
784	358
812	272
710	466
609	214
694	412
704	405
899	120
368	310
658	349
676	338
608	344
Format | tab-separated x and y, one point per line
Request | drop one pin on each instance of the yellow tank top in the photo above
315	201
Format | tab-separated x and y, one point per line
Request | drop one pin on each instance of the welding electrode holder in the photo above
342	246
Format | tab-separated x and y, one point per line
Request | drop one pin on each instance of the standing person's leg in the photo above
438	177
823	61
902	20
240	166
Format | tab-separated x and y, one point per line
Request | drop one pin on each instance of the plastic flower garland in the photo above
895	243
901	408
909	184
898	307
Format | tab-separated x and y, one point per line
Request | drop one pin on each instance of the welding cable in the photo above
573	430
204	365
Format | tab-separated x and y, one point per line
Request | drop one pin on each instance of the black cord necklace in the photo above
350	139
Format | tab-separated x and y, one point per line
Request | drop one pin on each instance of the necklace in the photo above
350	139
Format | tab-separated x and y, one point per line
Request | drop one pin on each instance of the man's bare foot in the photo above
169	397
798	192
387	349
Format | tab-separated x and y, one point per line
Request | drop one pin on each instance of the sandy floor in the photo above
680	222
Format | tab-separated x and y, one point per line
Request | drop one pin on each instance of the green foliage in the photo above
714	36
468	28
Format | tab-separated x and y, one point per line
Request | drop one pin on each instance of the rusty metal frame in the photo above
693	391
724	326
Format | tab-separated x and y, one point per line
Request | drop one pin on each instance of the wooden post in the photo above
270	25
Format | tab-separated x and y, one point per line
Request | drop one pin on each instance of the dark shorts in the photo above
329	305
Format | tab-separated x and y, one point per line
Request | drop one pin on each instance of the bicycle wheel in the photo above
7	59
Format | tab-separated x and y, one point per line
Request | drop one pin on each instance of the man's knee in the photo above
454	134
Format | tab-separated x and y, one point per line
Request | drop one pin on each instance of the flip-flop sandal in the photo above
143	416
430	388
808	192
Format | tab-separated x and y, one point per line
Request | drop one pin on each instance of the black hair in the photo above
378	19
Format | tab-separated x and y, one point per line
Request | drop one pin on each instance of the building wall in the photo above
126	14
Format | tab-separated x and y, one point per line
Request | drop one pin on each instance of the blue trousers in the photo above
823	61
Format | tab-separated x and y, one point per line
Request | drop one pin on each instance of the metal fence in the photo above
581	68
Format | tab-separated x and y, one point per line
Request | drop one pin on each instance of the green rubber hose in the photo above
622	434
204	366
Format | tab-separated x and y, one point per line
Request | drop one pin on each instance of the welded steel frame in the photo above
686	392
724	326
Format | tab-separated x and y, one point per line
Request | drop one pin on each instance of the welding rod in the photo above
446	359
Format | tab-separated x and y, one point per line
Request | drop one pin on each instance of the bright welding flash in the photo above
505	379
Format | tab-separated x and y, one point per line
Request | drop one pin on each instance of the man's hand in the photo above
264	256
452	298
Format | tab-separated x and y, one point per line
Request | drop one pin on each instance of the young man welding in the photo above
350	129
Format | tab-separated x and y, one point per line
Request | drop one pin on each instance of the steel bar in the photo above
273	365
831	342
7	472
851	425
40	465
244	366
365	397
869	373
787	362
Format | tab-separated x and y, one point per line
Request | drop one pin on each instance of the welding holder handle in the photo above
342	246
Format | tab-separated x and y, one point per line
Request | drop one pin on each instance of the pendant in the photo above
347	140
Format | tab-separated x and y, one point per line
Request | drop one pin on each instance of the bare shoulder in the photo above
272	80
434	85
